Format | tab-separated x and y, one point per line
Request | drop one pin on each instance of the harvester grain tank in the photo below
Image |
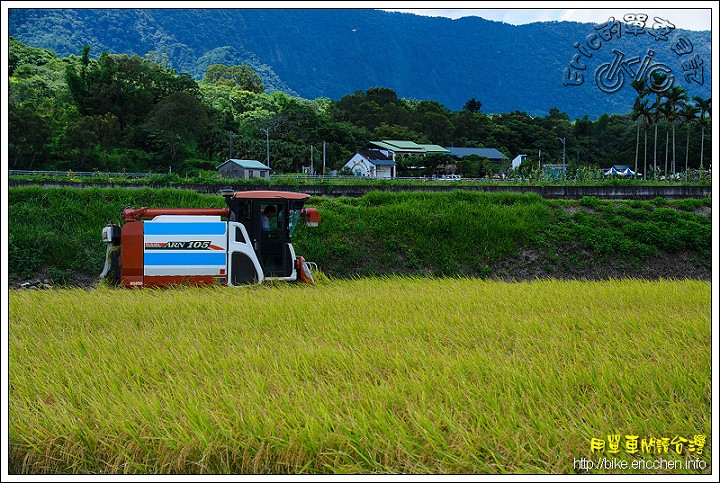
228	246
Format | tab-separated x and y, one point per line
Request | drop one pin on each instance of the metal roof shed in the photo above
244	168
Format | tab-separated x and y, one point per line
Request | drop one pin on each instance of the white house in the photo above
377	158
372	163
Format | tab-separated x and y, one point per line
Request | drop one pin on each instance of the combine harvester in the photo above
158	247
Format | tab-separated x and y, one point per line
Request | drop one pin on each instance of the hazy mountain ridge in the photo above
334	52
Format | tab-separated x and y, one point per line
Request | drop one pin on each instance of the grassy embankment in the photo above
382	375
436	234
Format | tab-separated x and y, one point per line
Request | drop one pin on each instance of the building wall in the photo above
384	172
518	160
359	165
232	170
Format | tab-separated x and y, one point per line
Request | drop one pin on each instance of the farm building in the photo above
490	153
244	168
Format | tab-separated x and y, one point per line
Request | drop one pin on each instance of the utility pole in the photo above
267	142
563	141
312	165
323	170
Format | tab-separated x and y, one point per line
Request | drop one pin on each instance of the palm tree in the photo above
643	112
663	108
688	115
642	90
704	106
656	116
658	113
667	139
675	97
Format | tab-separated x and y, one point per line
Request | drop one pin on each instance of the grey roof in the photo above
246	164
490	153
382	162
374	155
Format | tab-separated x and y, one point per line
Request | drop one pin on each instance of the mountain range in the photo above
313	53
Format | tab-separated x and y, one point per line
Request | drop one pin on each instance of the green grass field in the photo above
375	375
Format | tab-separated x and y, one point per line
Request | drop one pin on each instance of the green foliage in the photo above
590	202
241	76
634	231
175	122
24	258
20	54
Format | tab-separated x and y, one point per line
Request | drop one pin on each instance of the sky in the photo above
698	17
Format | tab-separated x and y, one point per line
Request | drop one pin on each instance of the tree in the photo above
241	76
473	166
176	120
77	83
656	116
436	162
643	113
348	107
667	138
688	115
642	90
675	97
438	127
393	131
473	106
20	54
381	95
471	128
248	79
82	142
128	87
703	120
660	111
28	135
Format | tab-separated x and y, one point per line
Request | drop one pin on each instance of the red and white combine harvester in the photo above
230	246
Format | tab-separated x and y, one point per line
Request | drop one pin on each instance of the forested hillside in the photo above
138	114
330	53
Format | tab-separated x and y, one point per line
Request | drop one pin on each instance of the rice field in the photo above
384	375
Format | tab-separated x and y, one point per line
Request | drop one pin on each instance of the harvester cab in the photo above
250	241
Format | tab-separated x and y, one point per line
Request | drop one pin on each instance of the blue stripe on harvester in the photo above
185	258
184	228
